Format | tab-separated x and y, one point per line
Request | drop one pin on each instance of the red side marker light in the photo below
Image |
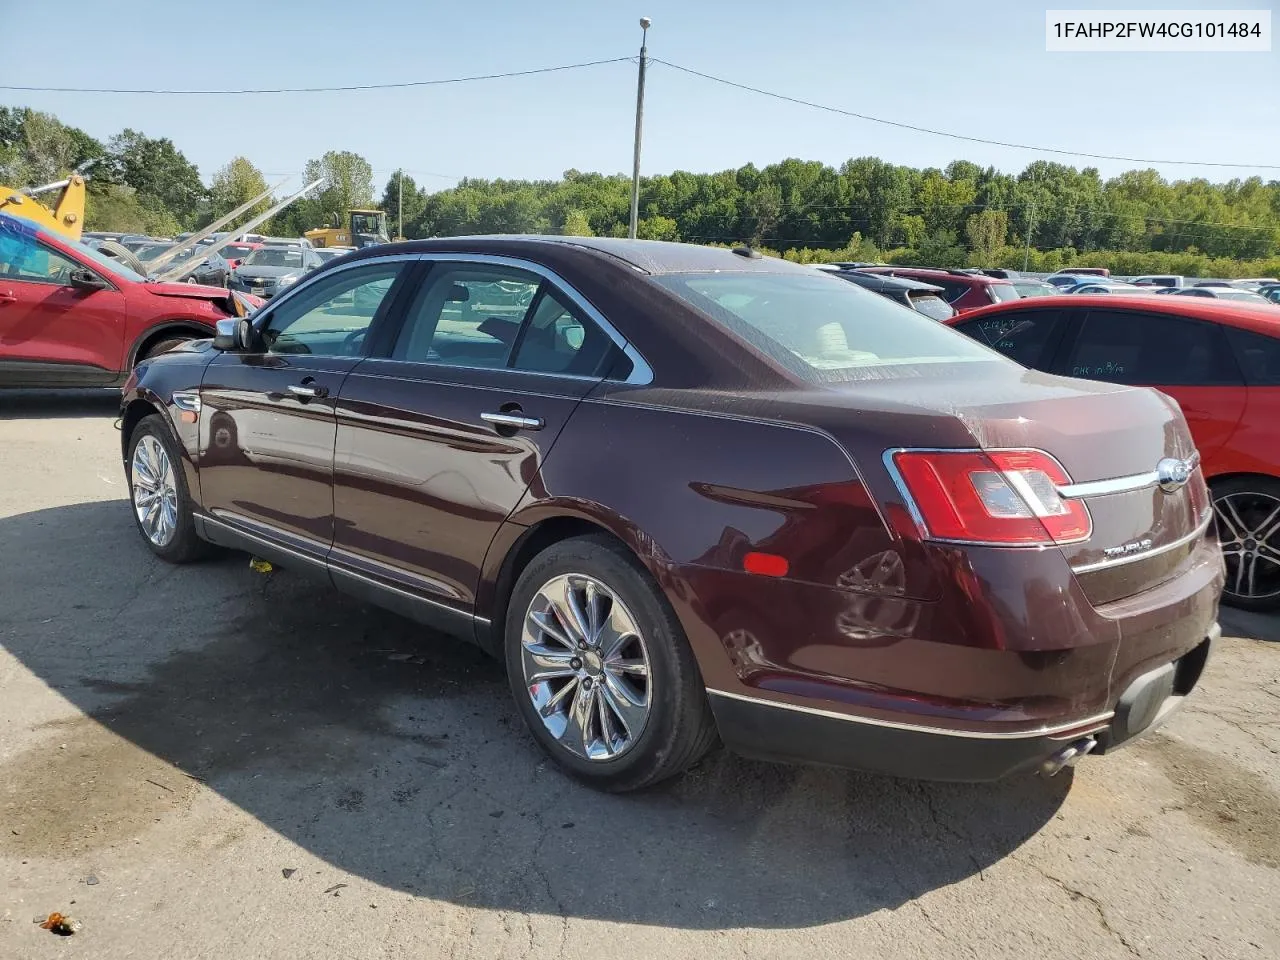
765	564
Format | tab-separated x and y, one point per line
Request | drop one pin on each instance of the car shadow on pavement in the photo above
47	404
398	756
1252	626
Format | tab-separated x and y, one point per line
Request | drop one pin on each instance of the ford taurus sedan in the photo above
692	495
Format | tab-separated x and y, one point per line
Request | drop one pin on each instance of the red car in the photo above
72	317
234	253
1221	362
962	289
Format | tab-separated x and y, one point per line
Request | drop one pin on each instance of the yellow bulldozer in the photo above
364	228
65	216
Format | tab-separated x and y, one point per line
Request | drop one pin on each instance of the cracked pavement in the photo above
194	760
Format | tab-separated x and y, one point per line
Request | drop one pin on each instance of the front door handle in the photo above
513	421
7	296
307	390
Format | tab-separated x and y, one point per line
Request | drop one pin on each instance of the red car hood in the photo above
196	291
193	290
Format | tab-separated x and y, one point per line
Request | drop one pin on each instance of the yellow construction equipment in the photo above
364	228
66	218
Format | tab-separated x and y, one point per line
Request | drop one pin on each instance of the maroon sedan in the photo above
690	494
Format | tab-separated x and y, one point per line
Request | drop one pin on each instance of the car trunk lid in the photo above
1112	441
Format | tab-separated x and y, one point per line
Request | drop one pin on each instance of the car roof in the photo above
1261	318
879	281
976	279
646	256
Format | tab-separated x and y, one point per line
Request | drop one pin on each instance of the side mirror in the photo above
86	280
232	334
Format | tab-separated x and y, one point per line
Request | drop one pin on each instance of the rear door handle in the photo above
513	421
307	391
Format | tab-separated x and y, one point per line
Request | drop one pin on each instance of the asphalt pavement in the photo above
203	761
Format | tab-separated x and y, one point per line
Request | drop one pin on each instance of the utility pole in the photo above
645	23
1031	225
400	203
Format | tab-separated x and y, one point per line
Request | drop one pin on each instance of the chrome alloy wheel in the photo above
155	491
1249	531
586	667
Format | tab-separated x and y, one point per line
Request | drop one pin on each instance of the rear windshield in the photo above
933	307
821	327
275	257
1000	292
237	250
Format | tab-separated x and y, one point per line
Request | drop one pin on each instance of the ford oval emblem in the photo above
1172	474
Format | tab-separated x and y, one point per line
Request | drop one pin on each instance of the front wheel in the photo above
600	668
162	507
1248	515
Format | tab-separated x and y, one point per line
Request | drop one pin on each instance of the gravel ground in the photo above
206	762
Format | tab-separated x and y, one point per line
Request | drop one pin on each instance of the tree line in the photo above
1048	216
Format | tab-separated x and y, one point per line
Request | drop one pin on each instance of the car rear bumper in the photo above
907	747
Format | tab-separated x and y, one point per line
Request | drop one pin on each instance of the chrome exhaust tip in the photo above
1067	756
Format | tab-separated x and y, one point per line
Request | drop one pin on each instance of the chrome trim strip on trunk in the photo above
1104	488
1075	727
1198	532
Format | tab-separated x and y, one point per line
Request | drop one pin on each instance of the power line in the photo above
336	89
957	136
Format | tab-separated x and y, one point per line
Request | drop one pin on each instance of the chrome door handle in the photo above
299	390
513	420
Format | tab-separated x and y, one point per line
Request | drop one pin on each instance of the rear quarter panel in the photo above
691	493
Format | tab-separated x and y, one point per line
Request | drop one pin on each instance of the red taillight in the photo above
997	496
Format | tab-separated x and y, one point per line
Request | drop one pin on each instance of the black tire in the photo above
1249	502
185	545
680	728
122	253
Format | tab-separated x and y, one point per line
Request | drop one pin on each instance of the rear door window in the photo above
1027	336
1258	355
1149	349
932	306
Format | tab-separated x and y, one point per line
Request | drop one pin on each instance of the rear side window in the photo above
1259	356
1000	292
1124	346
820	327
1027	336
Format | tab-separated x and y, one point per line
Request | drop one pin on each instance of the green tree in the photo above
576	225
939	249
348	183
163	178
986	232
414	202
237	183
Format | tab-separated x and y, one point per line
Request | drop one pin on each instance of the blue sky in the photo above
971	68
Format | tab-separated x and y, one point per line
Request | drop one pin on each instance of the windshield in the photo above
237	250
1034	289
275	257
1246	295
821	327
932	306
147	254
110	265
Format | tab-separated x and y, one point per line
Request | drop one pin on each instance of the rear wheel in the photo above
1248	515
600	668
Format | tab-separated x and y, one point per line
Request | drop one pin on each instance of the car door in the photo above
54	332
267	424
1186	358
441	434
